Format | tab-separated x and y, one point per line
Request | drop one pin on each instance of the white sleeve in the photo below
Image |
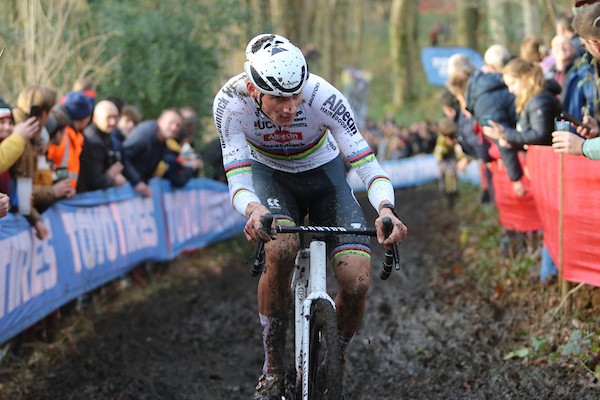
235	151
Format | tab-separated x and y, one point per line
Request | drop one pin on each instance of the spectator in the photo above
533	49
36	100
179	168
536	107
99	168
564	28
446	148
146	146
12	143
78	107
486	96
571	143
586	24
185	139
563	53
495	57
46	189
130	117
13	139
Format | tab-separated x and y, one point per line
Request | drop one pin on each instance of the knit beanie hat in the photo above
5	109
78	105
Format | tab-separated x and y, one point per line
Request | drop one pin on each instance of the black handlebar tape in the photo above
388	262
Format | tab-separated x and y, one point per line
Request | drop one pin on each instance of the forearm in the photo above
591	148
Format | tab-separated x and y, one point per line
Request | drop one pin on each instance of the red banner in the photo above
567	192
516	213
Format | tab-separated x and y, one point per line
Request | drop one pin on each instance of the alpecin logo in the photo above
282	136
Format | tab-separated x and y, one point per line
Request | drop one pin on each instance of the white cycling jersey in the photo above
324	125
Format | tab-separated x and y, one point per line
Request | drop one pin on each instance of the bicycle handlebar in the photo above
391	259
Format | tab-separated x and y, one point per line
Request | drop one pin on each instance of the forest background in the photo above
170	53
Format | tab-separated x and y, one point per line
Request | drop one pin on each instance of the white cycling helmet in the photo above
275	66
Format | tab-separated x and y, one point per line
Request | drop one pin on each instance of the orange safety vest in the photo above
66	154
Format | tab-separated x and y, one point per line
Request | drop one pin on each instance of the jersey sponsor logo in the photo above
282	136
221	105
273	203
337	110
260	125
314	93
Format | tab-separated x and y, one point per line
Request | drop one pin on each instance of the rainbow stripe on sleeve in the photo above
239	191
377	179
361	157
238	167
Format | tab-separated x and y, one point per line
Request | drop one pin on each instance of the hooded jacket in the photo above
488	97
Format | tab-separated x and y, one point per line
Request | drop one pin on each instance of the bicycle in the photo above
316	341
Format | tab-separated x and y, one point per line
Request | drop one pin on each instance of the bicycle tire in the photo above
325	379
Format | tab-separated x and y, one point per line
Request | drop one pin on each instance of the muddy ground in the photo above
193	332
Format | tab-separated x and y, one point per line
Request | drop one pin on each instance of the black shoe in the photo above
270	387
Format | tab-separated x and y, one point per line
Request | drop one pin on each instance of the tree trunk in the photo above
358	10
467	21
400	35
277	8
531	18
497	15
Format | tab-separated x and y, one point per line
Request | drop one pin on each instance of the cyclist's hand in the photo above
252	230
399	231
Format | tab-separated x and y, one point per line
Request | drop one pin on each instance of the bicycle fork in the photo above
308	283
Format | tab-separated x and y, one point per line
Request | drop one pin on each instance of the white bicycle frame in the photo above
308	284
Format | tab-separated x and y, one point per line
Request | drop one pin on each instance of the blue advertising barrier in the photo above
97	237
435	62
414	171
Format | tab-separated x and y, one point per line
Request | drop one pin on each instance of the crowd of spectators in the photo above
544	96
392	141
78	143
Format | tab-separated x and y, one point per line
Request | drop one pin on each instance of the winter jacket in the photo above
536	122
67	153
96	158
473	145
142	152
578	90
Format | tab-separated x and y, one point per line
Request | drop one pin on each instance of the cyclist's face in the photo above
281	110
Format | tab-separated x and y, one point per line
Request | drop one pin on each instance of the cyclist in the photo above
281	131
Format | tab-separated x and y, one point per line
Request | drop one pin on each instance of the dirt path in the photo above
427	335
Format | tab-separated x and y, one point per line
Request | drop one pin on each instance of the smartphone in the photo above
61	173
35	111
485	120
562	125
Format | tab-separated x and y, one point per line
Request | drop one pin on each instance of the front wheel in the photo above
325	380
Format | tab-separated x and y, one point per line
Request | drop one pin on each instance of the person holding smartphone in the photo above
40	100
536	107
